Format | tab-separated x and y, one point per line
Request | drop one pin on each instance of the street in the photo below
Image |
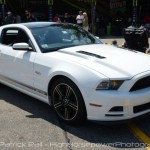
26	123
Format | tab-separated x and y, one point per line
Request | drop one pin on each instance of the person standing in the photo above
85	22
114	43
31	17
9	19
66	18
17	18
56	18
80	18
26	15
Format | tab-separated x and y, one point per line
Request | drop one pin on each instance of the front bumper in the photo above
120	104
130	104
125	121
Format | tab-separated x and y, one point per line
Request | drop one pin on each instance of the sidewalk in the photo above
109	39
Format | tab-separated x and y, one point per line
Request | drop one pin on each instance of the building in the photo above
107	8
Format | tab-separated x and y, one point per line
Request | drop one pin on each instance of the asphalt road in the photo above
26	123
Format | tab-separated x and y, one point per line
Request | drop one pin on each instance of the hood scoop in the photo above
91	54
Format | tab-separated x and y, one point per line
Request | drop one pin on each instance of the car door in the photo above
16	66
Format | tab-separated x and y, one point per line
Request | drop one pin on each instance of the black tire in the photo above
67	101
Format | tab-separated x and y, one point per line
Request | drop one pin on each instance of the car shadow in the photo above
116	136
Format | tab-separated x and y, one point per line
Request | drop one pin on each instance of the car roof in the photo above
31	25
37	24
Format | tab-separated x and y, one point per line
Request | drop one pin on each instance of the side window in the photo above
11	36
8	36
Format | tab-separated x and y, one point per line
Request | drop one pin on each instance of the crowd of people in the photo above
81	19
16	18
102	26
10	18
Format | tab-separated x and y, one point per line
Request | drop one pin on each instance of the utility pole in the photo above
135	4
93	15
50	9
2	3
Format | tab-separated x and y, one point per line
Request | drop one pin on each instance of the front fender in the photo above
83	77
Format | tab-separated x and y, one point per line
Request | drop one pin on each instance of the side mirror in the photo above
21	46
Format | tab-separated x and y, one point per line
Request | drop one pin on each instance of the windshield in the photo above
57	36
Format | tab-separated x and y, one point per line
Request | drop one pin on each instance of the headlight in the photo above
109	85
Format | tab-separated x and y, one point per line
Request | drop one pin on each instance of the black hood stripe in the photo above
91	54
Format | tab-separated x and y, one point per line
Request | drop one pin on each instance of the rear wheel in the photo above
67	101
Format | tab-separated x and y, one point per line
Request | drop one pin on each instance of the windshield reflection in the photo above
57	36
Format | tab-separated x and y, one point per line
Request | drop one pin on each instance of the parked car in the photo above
71	70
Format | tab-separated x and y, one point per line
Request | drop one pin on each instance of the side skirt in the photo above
31	91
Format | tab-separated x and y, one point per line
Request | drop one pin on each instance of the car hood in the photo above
108	60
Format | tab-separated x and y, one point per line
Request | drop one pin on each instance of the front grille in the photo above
141	84
140	108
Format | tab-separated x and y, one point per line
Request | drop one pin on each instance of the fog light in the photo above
117	108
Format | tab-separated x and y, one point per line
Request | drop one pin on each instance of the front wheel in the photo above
67	101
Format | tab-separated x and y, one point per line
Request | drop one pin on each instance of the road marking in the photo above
140	134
